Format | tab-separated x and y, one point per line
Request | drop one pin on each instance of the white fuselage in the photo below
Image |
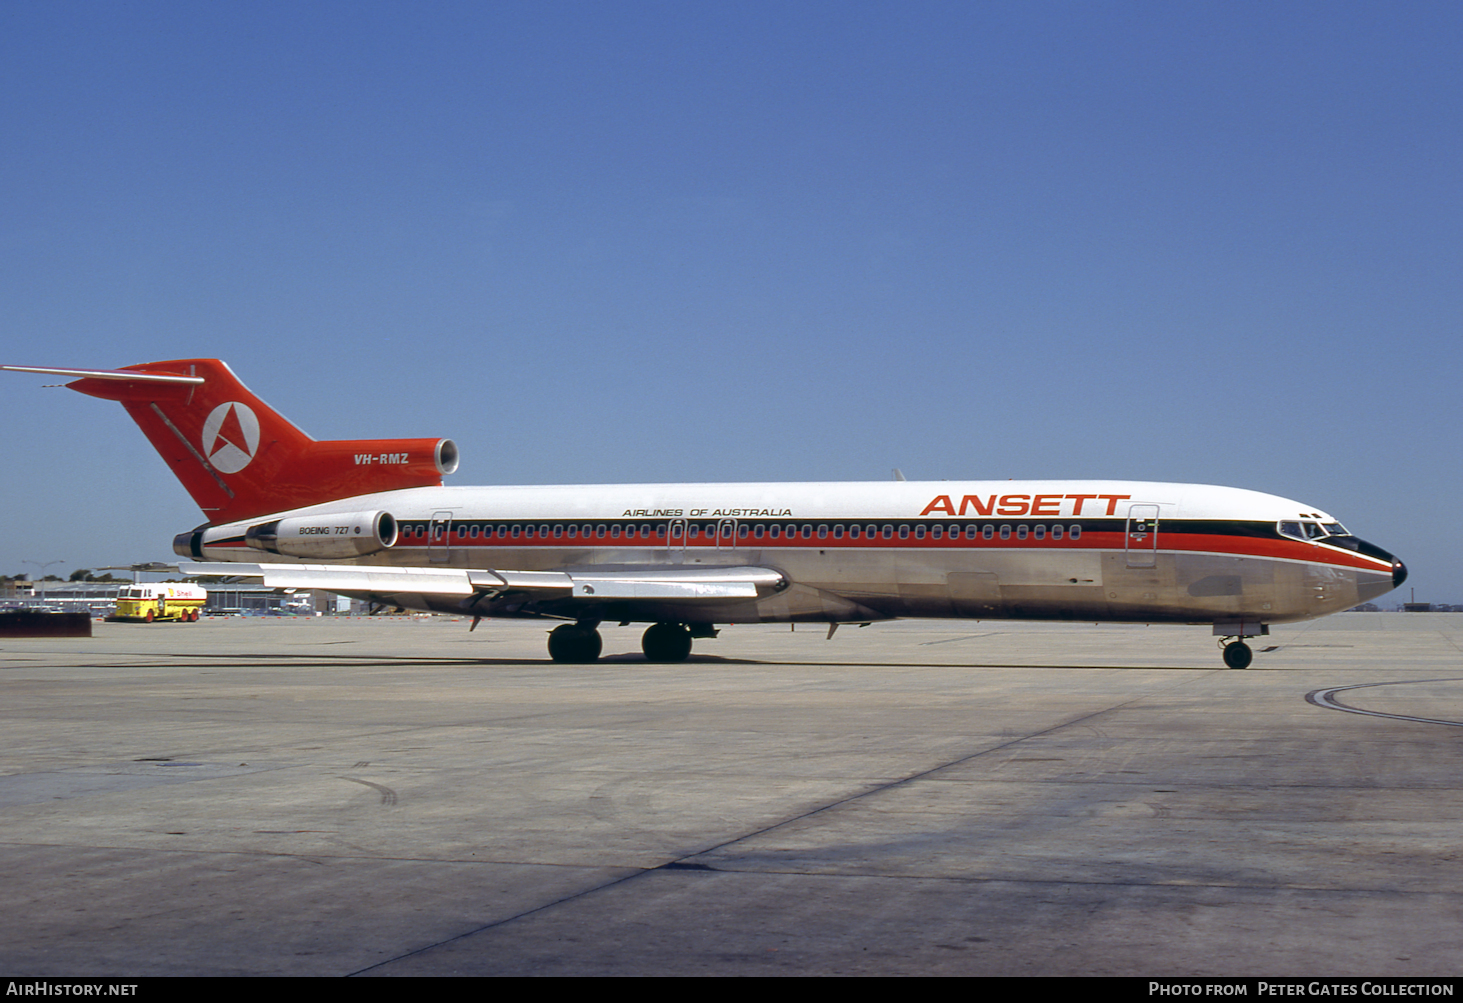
1081	550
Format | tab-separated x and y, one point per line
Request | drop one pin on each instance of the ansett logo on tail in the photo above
230	437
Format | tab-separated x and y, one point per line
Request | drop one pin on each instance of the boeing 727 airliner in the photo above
371	519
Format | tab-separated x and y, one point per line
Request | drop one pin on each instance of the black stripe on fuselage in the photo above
496	532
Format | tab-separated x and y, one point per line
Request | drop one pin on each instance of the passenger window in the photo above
1075	532
558	531
1039	532
904	532
528	532
919	532
774	532
822	532
1021	532
757	531
853	532
937	532
1005	532
838	532
1056	532
988	532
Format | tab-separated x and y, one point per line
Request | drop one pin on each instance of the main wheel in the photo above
572	643
1237	655
666	642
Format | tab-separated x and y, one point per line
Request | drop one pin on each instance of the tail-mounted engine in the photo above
329	536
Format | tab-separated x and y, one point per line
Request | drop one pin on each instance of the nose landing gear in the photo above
1237	655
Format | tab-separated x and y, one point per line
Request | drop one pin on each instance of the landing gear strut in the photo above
1232	634
666	642
574	642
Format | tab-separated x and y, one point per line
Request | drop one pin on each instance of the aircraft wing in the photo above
474	590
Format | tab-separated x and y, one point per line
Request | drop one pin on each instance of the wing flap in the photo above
423	581
680	584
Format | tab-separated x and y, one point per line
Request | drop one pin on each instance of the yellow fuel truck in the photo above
160	601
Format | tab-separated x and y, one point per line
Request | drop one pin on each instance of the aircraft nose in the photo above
1399	573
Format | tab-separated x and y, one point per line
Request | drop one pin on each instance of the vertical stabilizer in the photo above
237	456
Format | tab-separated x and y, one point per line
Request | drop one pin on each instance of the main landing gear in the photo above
666	642
580	643
575	643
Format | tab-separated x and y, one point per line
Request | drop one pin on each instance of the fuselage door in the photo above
439	538
675	540
726	534
1142	536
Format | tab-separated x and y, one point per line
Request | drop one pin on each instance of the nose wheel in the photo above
1237	655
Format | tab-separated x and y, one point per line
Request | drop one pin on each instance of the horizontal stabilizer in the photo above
130	375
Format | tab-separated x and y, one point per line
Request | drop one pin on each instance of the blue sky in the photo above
1211	242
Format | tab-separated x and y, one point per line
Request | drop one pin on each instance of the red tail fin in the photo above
239	458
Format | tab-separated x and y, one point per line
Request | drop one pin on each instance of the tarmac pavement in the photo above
398	796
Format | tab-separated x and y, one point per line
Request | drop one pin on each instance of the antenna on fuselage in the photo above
898	474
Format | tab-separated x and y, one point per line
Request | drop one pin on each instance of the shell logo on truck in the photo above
160	601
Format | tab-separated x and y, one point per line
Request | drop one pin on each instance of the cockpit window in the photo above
1306	530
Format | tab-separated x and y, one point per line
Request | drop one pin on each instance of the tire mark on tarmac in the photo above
1327	698
388	796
